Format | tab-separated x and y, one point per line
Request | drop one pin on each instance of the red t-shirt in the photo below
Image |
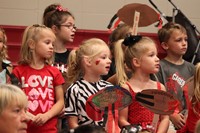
39	86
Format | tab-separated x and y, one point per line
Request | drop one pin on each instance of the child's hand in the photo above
30	116
40	119
62	113
178	120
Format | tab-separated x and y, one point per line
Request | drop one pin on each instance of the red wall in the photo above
14	35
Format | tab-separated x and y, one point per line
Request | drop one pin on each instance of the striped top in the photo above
76	98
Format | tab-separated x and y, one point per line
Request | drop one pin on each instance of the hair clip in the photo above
130	40
60	8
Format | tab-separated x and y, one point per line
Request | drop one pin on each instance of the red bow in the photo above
60	8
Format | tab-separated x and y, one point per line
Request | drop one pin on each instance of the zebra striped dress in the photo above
76	97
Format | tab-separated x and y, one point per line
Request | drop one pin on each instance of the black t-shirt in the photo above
61	60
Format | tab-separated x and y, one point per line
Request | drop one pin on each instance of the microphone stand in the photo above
184	16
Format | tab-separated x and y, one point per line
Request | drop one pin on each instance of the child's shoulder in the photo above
157	85
160	86
189	64
106	82
52	68
81	82
164	62
6	63
20	66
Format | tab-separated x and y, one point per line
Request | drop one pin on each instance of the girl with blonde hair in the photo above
141	60
41	82
90	61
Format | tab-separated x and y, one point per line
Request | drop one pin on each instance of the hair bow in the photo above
60	8
130	40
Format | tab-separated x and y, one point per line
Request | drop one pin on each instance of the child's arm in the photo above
40	119
59	105
112	79
178	120
164	124
123	117
164	121
72	122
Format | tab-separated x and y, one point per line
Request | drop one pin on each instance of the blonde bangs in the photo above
94	47
11	95
33	34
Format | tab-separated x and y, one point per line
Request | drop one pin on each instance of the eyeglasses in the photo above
69	26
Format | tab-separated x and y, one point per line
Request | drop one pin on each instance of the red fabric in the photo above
115	25
116	118
137	114
92	111
110	127
190	122
110	120
192	119
39	86
186	94
160	22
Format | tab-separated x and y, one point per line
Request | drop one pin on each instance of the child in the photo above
194	103
92	59
140	58
62	23
13	107
119	33
5	65
41	82
174	70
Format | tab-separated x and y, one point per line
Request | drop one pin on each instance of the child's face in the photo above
1	40
44	46
67	30
177	43
101	63
149	62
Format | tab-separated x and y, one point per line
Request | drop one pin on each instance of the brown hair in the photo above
119	33
165	32
4	51
55	14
